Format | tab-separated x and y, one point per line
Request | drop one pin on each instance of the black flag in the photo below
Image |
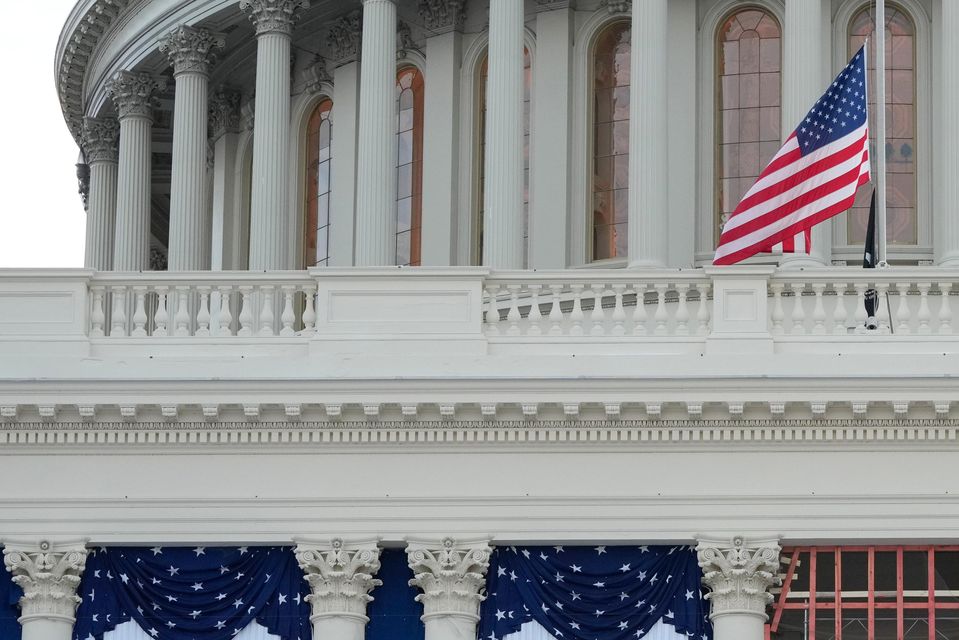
869	261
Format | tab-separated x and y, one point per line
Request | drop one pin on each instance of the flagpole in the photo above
880	121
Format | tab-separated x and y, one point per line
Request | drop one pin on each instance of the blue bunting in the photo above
594	593
203	593
394	613
10	595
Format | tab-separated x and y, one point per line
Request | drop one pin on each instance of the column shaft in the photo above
131	250
648	149
101	215
343	149
376	151
946	196
503	195
802	86
339	628
188	202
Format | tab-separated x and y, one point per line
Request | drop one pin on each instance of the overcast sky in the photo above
41	215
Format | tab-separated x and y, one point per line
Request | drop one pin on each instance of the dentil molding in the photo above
739	573
191	49
451	575
49	576
340	576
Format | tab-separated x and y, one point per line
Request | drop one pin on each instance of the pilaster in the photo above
99	141
946	195
49	576
340	575
739	573
451	575
224	127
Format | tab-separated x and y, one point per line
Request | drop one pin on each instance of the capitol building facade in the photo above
405	289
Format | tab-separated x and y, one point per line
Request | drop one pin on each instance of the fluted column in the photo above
376	150
503	193
100	148
133	95
190	51
739	573
648	149
946	194
270	218
341	577
224	125
451	575
49	576
803	84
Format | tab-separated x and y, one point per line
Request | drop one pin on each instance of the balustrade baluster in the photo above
288	317
203	313
882	302
924	315
661	317
597	318
682	310
819	311
161	317
492	310
576	315
224	317
181	317
139	312
513	316
246	311
555	311
778	315
860	313
535	317
703	312
639	311
840	314
97	316
118	326
945	309
619	313
266	311
799	313
309	310
902	312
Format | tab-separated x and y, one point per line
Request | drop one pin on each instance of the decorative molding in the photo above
344	37
549	5
451	576
191	49
83	183
134	94
442	16
739	573
99	141
404	40
340	576
618	7
317	76
224	114
247	114
49	576
274	16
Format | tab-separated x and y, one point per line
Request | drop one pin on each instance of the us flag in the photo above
812	178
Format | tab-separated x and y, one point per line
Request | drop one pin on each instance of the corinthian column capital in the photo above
49	576
344	36
440	16
274	16
99	139
224	112
451	575
191	49
341	577
739	573
134	93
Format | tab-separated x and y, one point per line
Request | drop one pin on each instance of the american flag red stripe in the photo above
813	177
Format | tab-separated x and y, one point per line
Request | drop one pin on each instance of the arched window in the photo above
611	142
409	166
749	118
481	136
316	230
901	219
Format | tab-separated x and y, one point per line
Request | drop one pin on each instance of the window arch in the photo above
902	224
481	144
316	228
749	106
409	166
610	124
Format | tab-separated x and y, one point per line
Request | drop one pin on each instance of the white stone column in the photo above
451	575
341	577
100	149
803	84
133	95
376	150
648	148
503	194
946	194
224	128
444	20
739	573
270	218
190	51
49	576
343	41
550	164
